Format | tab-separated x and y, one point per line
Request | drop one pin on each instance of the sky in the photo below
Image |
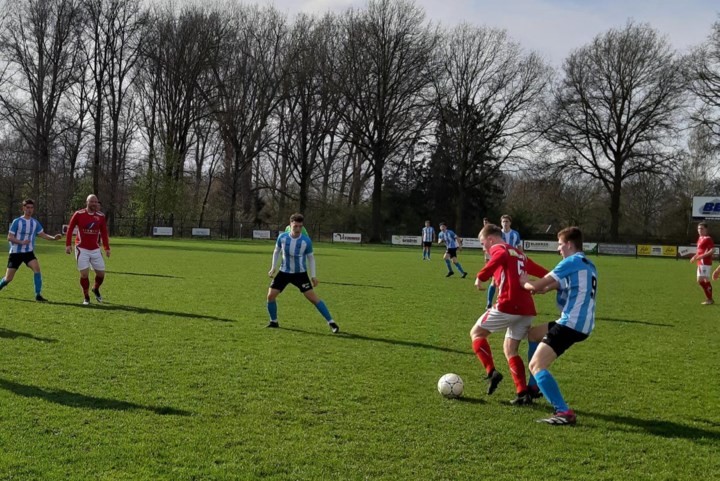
553	28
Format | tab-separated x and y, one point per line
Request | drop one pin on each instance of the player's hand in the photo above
478	284
315	282
271	273
67	249
58	236
716	274
107	252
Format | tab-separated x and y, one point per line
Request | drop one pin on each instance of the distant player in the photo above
510	237
703	257
297	259
513	312
575	279
21	236
91	228
452	244
428	237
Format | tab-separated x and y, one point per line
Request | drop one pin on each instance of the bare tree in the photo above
385	71
488	91
39	41
704	76
613	114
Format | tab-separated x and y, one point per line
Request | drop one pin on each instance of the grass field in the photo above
176	378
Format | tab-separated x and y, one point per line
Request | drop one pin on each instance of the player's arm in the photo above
105	238
70	230
494	262
716	273
534	269
11	238
547	283
311	269
49	237
275	260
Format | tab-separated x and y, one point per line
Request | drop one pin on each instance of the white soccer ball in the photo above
451	386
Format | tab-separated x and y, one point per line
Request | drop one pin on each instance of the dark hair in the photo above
572	235
297	218
491	230
28	202
703	224
443	224
485	219
506	217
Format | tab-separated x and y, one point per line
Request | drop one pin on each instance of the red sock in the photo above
98	281
85	284
707	287
517	369
483	352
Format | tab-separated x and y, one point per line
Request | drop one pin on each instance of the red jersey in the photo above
506	265
705	243
90	228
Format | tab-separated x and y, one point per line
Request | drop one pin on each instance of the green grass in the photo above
175	377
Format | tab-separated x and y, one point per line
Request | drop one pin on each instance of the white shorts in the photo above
703	271
89	258
494	320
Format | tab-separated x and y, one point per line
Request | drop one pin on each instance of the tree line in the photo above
373	119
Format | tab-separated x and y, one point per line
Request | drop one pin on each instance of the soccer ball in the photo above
451	386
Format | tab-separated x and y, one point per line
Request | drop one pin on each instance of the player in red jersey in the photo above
91	227
513	311
703	257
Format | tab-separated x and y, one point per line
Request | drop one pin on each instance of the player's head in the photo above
570	241
443	226
296	223
28	206
490	235
486	221
702	228
506	222
427	223
92	203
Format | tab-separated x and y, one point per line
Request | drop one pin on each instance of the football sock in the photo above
3	283
549	387
98	281
459	268
491	294
448	264
707	287
85	284
517	369
37	279
484	353
324	311
272	310
532	347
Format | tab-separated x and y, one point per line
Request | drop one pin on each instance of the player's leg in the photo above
703	279
448	263
272	306
98	265
459	267
513	336
491	293
312	296
37	279
82	257
535	335
483	327
9	276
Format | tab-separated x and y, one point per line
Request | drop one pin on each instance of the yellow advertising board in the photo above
657	251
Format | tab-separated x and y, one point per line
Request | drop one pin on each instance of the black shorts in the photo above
427	244
451	252
560	337
17	259
299	280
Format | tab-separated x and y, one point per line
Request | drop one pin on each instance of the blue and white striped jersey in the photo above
23	229
428	234
294	252
577	277
512	238
449	238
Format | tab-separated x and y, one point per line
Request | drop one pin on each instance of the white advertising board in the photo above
163	231
406	240
545	246
344	237
706	207
200	232
689	251
261	234
471	243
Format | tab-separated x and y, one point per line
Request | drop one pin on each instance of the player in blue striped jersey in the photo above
297	261
428	237
511	237
452	244
575	277
21	236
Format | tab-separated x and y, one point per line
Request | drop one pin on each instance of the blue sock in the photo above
459	268
272	310
551	391
491	293
3	283
532	347
324	311
449	264
37	278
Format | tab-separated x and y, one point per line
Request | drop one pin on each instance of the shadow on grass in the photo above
356	285
659	427
8	334
633	321
77	400
144	275
106	306
395	342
